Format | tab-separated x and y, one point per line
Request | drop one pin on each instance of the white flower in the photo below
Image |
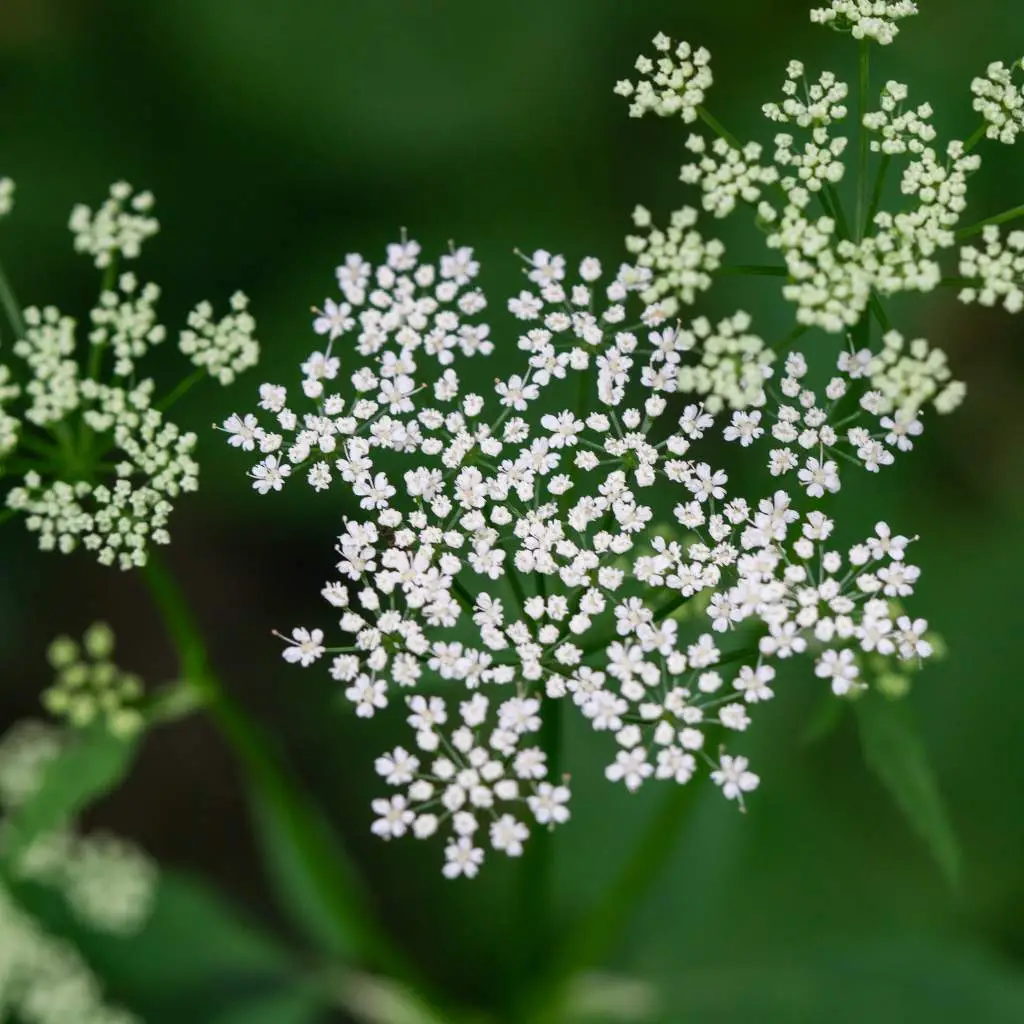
305	646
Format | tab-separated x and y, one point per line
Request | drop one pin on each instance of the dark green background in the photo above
278	136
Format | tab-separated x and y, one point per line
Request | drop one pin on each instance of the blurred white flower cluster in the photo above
108	883
570	532
96	461
90	687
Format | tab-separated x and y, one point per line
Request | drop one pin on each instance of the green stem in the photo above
10	304
597	932
999	218
183	387
538	931
865	149
718	128
876	192
273	786
753	270
979	134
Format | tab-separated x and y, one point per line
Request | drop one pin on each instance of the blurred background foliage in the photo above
278	136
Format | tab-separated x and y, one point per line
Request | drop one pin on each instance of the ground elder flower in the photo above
831	267
91	687
1000	101
101	464
117	229
674	83
566	534
225	347
866	19
996	269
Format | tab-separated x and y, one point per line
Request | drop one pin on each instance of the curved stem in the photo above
328	871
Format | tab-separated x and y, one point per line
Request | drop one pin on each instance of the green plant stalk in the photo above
862	170
753	270
599	929
183	387
538	929
10	305
316	847
999	218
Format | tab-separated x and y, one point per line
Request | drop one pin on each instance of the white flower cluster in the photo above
117	229
104	464
560	536
108	883
998	268
899	131
225	347
675	262
674	83
866	19
831	268
90	686
1000	101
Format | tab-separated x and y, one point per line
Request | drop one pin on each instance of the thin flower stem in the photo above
753	270
313	844
876	192
10	304
979	134
183	387
862	171
999	218
718	128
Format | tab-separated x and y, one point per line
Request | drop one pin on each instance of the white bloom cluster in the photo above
560	536
866	19
102	465
831	268
674	83
675	262
117	229
1000	101
225	347
152	465
90	686
108	883
998	268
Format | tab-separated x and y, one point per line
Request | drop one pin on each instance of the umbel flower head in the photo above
569	534
96	460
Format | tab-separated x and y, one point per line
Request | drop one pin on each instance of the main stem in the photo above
600	928
357	934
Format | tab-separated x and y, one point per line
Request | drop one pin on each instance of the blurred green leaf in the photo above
903	982
92	764
896	754
825	719
287	1008
196	958
300	893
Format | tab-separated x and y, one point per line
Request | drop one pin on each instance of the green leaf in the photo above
895	752
299	1007
91	765
893	982
285	840
197	958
